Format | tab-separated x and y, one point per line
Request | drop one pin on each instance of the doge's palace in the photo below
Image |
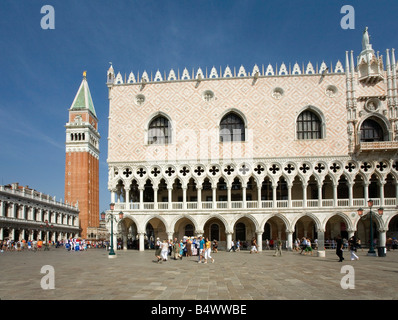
277	151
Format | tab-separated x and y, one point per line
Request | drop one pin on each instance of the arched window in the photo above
189	230
159	131
309	126
371	131
232	128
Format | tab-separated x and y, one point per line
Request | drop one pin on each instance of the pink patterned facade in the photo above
310	145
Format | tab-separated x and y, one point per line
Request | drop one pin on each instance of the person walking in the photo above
165	250
353	248
215	245
253	246
278	248
232	246
176	249
158	250
189	247
201	249
339	248
309	247
303	244
208	251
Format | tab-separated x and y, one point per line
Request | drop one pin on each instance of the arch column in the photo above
335	194
127	190
319	194
199	196
113	196
214	195
184	197
169	197
244	196
305	185
321	243
289	195
259	195
396	191
259	240
229	240
141	197
289	234
366	191
381	188
350	189
229	197
141	239
274	204
155	197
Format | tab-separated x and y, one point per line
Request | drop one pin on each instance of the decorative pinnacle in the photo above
84	74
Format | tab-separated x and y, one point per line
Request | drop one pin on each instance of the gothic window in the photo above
232	128
309	126
159	131
371	131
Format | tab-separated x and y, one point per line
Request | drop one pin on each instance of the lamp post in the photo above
371	251
111	218
46	227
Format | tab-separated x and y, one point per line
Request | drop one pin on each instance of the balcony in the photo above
253	205
377	146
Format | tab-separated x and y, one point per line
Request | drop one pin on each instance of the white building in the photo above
280	151
24	212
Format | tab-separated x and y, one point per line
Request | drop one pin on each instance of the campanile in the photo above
82	158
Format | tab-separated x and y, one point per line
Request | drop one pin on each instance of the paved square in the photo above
135	275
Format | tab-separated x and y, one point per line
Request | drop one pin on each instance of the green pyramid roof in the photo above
83	100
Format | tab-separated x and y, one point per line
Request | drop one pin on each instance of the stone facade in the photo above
314	144
23	212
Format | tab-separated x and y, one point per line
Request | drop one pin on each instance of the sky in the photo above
42	68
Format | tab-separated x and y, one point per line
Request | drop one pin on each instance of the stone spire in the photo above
83	100
370	66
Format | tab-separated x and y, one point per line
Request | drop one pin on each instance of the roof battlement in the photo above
226	73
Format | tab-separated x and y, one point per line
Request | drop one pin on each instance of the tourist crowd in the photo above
73	244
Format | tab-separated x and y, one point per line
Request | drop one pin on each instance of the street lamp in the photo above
110	217
46	227
371	251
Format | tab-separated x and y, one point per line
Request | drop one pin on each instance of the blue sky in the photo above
42	69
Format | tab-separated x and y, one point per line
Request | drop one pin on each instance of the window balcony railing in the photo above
377	146
254	204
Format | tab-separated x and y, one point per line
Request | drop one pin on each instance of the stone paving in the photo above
135	275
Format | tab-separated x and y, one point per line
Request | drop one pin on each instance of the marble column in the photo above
141	237
259	240
321	243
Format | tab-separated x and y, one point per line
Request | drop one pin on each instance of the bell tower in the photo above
82	158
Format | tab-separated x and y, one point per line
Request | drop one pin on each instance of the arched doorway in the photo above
335	226
155	228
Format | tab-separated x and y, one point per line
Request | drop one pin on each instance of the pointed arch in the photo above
159	129
310	124
232	126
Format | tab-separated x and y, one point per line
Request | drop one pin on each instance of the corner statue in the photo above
365	39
